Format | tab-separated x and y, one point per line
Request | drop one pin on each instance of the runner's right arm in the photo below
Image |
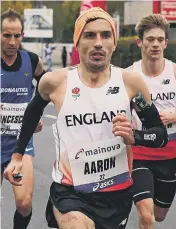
30	121
33	114
31	118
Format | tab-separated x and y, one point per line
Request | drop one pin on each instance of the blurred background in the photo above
49	27
53	22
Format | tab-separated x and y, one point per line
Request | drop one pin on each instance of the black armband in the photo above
154	134
30	121
155	137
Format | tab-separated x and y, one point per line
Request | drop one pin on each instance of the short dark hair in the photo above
152	21
12	15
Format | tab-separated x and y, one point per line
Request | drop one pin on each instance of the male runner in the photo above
18	68
92	181
154	170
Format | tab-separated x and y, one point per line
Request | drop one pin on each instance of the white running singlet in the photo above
88	155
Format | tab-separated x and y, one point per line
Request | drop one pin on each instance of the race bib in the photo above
11	117
99	165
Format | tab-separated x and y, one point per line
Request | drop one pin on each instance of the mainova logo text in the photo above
11	108
98	150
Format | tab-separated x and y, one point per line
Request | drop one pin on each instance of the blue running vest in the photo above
16	92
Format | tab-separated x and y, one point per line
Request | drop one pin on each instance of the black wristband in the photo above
155	137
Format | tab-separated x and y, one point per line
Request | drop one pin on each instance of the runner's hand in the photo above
167	117
122	127
13	168
39	127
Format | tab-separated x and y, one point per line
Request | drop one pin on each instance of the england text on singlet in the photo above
16	92
163	94
88	156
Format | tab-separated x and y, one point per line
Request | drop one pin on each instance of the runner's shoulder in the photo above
130	77
54	79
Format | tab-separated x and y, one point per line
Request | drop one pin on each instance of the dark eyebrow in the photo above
107	31
88	32
9	34
156	37
94	32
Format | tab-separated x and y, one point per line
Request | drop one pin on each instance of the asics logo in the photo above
103	184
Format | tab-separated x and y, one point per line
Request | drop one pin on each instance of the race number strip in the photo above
12	115
100	162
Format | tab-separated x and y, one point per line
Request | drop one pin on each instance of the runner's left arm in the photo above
155	135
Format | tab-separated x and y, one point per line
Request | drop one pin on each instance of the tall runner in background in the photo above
93	132
154	170
18	68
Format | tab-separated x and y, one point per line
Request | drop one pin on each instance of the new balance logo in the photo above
112	90
167	81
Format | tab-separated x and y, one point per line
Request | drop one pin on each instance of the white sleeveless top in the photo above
163	92
88	155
